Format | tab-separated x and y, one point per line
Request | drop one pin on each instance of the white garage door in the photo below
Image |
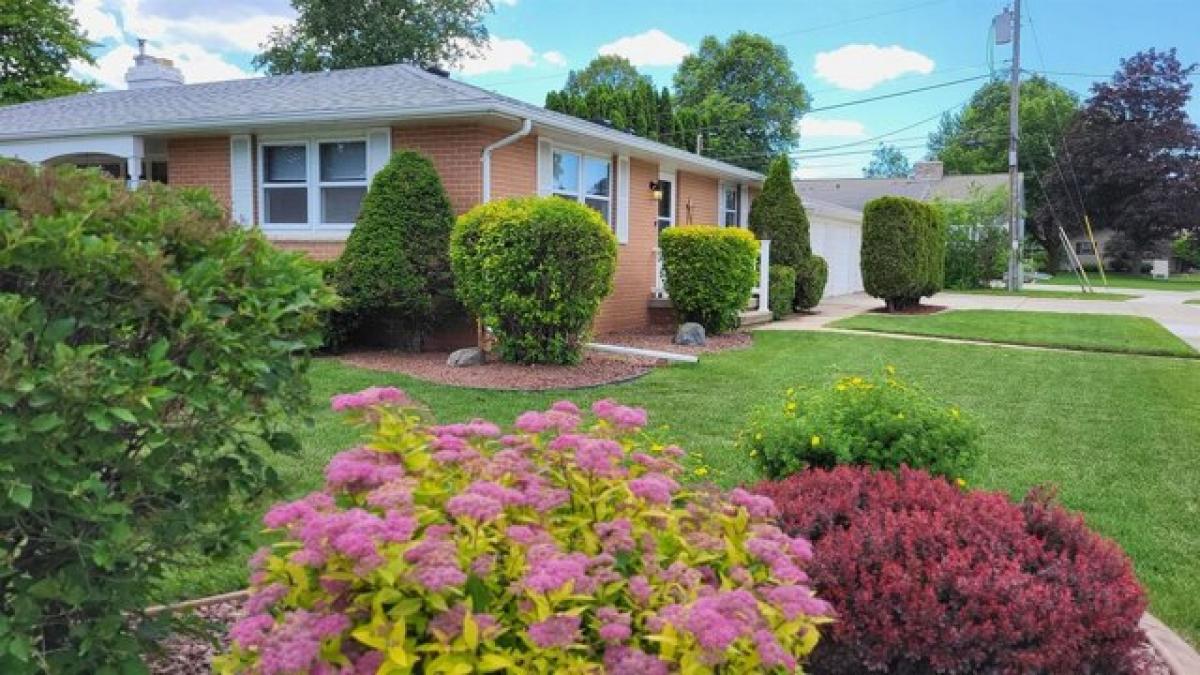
839	243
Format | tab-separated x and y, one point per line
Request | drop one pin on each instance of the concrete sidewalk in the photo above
1165	307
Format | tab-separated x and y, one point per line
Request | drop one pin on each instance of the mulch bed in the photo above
915	309
595	370
192	654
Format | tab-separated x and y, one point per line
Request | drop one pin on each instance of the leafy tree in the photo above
747	95
976	237
38	40
394	276
331	34
887	162
975	141
1136	154
609	70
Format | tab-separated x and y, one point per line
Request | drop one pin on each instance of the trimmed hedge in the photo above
534	270
782	290
810	282
927	578
777	214
903	251
711	272
153	358
394	275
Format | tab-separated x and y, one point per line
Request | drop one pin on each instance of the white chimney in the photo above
151	71
928	171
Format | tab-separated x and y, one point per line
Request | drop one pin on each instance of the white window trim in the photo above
312	182
670	176
722	205
580	195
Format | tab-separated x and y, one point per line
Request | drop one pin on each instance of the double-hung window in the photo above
313	183
583	178
731	205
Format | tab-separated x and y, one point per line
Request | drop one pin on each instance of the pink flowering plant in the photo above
565	545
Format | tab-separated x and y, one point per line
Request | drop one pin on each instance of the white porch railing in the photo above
761	292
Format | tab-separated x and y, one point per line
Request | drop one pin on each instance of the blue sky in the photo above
843	51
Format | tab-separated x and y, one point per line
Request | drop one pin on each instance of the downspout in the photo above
486	157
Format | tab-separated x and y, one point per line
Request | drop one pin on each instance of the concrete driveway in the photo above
1165	307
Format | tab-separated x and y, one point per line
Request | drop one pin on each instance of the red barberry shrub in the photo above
927	578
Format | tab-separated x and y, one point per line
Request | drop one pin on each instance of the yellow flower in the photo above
840	386
754	453
701	471
791	391
816	441
657	447
960	482
791	406
758	436
954	413
890	369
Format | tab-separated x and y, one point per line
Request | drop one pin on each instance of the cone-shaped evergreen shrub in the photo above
810	282
394	276
534	270
778	215
903	247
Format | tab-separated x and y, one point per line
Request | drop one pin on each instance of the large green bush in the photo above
534	269
778	215
782	290
977	247
394	275
810	282
711	272
903	251
883	423
151	354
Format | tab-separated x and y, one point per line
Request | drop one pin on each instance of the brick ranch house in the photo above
294	155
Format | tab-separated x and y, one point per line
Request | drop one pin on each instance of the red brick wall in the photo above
201	162
317	250
514	167
454	151
626	308
700	192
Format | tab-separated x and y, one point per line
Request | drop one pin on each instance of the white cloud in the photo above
554	58
819	127
197	64
507	3
805	171
97	23
859	67
652	48
499	55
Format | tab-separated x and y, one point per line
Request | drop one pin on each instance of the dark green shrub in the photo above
778	215
151	355
901	242
394	275
882	423
782	290
534	270
711	272
810	282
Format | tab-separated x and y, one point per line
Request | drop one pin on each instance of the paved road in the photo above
1166	307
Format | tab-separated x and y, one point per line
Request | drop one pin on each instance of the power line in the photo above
896	94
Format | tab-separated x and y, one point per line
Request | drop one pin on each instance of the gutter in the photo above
486	156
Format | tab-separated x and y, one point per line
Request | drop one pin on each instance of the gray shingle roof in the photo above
853	193
378	93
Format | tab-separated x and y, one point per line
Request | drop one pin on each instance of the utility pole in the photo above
1014	189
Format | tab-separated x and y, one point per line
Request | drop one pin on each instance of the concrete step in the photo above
755	317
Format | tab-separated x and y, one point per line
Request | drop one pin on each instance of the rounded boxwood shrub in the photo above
566	545
927	578
710	273
880	422
782	290
152	355
534	270
810	282
903	251
394	275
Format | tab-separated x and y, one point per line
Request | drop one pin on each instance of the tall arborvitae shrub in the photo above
903	248
394	276
778	215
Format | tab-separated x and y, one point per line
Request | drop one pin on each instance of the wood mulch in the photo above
915	309
595	370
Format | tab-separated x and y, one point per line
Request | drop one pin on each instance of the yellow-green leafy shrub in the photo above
878	422
711	272
565	546
534	270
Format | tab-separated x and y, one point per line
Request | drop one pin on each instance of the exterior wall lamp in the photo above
657	190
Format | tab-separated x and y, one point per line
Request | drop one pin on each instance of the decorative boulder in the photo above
690	333
468	356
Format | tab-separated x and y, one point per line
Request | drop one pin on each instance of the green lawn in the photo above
1112	431
1177	282
1064	295
1089	332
